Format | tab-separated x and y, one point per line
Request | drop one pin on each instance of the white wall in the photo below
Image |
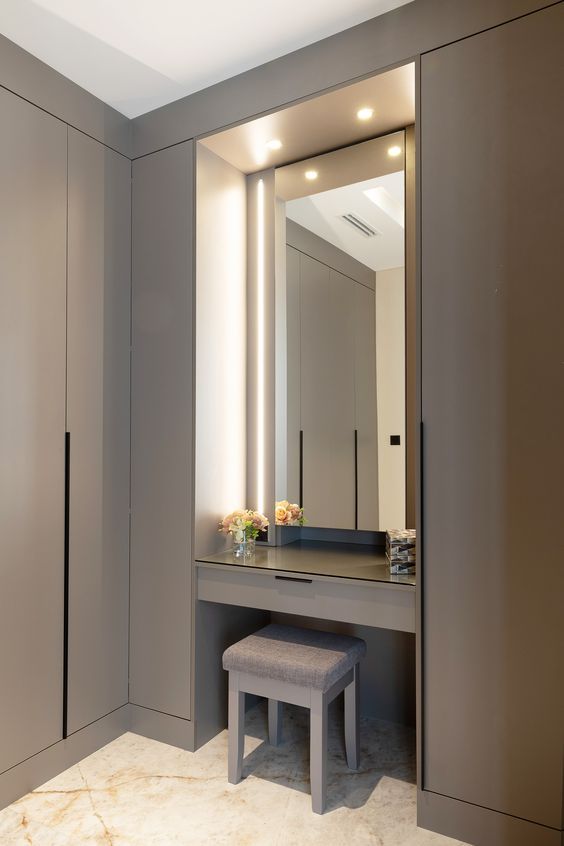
390	370
221	321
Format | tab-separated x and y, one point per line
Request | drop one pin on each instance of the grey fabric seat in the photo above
303	667
300	656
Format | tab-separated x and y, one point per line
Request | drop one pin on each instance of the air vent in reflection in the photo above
360	225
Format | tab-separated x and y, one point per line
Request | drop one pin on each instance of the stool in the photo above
302	667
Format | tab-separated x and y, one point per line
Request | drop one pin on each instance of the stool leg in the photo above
274	722
352	736
318	751
236	730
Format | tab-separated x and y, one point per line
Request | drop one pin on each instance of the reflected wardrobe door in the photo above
327	395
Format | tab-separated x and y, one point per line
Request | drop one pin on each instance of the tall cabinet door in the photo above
33	161
98	421
493	413
327	395
162	431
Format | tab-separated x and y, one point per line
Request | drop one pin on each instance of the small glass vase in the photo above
244	549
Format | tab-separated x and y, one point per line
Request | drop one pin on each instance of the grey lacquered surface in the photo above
319	558
331	381
363	596
366	421
99	250
33	163
493	411
162	469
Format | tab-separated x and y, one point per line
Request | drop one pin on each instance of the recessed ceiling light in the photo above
365	113
311	175
274	144
394	151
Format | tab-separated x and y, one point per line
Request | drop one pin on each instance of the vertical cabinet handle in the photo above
301	502
66	588
356	478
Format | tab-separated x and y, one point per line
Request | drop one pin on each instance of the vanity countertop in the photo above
319	558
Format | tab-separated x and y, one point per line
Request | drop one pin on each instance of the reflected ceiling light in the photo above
394	151
365	113
274	144
311	175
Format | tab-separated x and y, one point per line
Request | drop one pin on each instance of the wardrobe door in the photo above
493	414
99	248
366	422
327	395
33	161
162	431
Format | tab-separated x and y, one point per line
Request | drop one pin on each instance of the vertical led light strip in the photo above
260	352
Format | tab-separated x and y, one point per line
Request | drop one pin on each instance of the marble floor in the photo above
137	792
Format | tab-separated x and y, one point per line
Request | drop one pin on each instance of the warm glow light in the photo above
365	113
394	151
311	175
274	144
260	348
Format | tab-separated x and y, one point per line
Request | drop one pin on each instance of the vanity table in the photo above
350	583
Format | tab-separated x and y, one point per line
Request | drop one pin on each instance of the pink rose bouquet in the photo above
243	524
289	514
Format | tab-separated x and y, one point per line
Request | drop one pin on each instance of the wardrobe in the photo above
64	429
490	401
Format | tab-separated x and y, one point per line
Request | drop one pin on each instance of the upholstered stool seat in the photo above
303	667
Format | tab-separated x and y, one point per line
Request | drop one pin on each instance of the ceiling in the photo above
137	55
322	214
321	123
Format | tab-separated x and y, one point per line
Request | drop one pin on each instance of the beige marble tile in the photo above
137	792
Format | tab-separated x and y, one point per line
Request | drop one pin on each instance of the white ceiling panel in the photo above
323	214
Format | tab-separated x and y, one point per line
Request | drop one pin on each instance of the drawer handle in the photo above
293	579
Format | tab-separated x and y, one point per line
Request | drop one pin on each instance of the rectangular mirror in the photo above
340	336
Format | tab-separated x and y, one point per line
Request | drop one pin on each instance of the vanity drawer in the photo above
365	603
